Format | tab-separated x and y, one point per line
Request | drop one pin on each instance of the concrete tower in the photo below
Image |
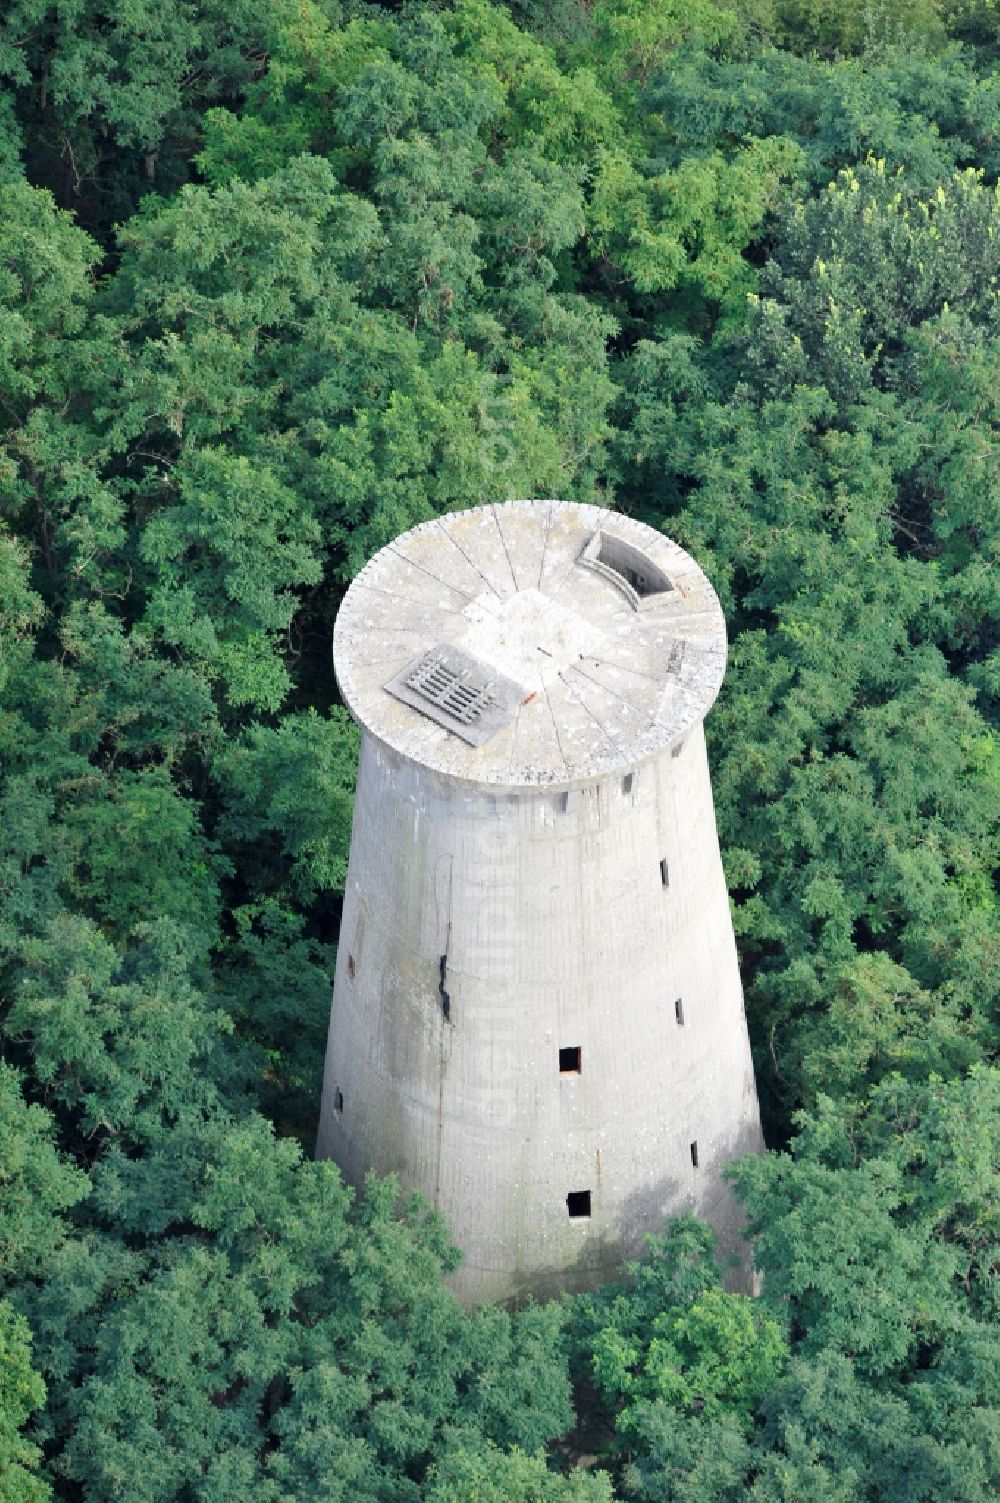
537	1015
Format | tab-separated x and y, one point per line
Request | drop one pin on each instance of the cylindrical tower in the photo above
537	1015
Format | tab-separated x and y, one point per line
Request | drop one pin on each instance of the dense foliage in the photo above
278	280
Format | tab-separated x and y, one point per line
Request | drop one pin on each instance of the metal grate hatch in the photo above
459	692
450	690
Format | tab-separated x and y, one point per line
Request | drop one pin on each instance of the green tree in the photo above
494	1476
833	29
21	1392
104	100
36	1184
674	1356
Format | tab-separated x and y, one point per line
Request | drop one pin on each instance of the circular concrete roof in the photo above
530	644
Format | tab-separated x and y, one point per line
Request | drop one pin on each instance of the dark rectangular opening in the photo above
627	782
351	967
443	991
571	1060
638	571
664	873
338	1101
694	1155
563	803
679	1010
578	1203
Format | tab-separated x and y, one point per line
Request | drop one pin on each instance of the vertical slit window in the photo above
664	873
679	1010
338	1101
694	1154
351	967
627	782
443	992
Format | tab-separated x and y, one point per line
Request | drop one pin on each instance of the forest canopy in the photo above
277	281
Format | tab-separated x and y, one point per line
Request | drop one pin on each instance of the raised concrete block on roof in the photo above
535	876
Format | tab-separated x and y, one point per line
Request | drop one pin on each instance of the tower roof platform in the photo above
530	644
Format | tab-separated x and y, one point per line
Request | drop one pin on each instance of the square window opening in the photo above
578	1204
571	1060
694	1155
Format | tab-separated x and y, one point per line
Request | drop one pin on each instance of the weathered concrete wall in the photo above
558	932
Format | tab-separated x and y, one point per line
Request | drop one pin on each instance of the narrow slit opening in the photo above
694	1155
664	873
578	1204
443	992
338	1101
679	1010
351	967
627	782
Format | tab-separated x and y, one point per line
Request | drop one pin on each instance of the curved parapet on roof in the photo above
530	644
